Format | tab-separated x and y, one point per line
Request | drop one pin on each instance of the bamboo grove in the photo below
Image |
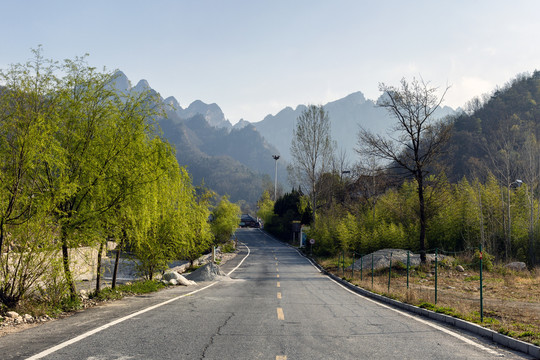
460	216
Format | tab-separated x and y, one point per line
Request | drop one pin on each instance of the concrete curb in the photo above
494	336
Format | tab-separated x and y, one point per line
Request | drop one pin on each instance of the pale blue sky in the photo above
253	57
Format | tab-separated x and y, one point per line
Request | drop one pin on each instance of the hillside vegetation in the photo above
483	190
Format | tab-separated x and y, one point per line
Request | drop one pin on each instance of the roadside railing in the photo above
395	276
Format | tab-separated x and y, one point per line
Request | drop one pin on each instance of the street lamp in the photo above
276	157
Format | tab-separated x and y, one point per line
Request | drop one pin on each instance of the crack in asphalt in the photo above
218	332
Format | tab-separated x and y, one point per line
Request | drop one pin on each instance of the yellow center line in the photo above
281	357
277	275
278	284
277	269
279	295
280	315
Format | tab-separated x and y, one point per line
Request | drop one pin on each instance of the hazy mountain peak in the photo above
172	103
356	97
211	112
120	82
142	86
241	124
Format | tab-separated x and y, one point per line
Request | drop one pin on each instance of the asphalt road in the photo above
277	305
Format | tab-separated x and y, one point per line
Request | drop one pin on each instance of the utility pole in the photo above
276	157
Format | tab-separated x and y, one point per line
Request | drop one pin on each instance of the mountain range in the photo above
346	116
237	160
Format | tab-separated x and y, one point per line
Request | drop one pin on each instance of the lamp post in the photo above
276	157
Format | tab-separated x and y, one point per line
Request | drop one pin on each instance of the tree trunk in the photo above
1	236
98	275
422	204
115	271
117	257
67	271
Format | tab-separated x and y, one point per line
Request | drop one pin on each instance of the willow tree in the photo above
416	139
97	130
312	150
28	107
224	220
169	222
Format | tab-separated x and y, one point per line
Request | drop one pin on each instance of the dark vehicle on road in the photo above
247	220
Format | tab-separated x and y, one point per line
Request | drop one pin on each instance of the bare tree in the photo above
311	149
415	141
505	161
371	181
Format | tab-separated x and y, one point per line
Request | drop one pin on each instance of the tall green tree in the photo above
28	123
265	207
225	218
97	128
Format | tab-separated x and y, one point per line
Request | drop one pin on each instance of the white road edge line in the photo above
118	321
449	332
241	262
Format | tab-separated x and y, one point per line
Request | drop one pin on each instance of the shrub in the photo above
487	260
228	247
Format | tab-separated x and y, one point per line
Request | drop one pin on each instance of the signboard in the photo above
312	241
296	226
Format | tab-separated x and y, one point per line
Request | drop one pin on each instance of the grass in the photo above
228	247
511	299
136	288
38	307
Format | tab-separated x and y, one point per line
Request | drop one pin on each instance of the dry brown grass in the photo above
511	299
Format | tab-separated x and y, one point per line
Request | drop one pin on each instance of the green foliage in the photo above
81	163
461	216
266	208
487	260
290	207
228	247
138	287
169	221
224	220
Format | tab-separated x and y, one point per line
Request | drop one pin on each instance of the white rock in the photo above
183	281
516	266
12	315
171	275
460	268
173	282
83	294
28	318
